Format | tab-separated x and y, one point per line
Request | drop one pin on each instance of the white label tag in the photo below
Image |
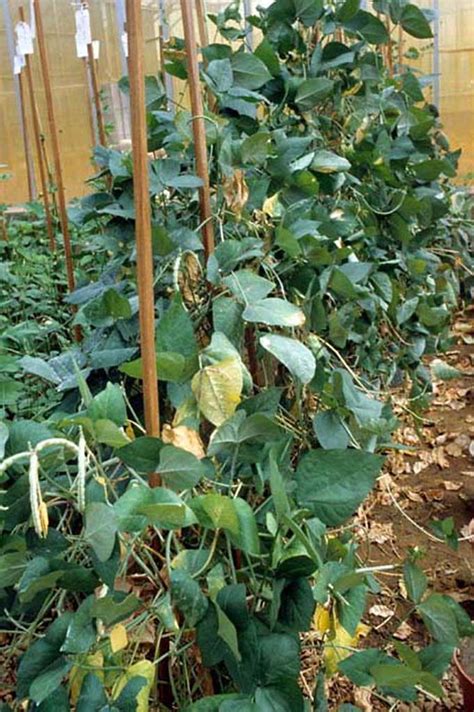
81	47
25	40
83	25
17	64
96	48
125	43
32	19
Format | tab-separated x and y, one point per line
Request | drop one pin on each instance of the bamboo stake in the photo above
53	132
96	92
39	147
146	295
26	143
389	49
199	131
90	110
202	25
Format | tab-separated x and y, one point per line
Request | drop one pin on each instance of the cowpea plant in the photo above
341	255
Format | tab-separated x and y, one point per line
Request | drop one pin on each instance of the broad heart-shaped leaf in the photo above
329	162
368	26
142	505
348	10
247	286
247	538
92	697
131	692
333	483
100	530
415	23
293	354
274	312
439	619
106	432
255	149
171	366
217	389
249	71
181	469
42	656
109	404
312	92
142	454
330	431
216	511
242	428
308	11
186	594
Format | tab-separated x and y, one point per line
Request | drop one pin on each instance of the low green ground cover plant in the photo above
342	252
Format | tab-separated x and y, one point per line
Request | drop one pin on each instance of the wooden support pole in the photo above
26	143
39	147
199	130
96	93
202	25
90	110
53	133
146	296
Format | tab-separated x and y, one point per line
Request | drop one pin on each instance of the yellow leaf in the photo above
185	438
129	431
270	204
91	663
217	389
236	192
144	668
118	638
44	519
340	644
321	619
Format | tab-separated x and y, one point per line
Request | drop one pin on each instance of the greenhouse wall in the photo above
449	59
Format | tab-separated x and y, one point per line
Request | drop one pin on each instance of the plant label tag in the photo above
17	63
25	38
96	48
124	39
83	25
32	19
81	47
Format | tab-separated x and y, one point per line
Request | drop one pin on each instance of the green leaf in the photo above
431	169
240	429
111	609
394	676
186	594
37	577
249	71
442	371
358	667
215	511
330	431
247	286
106	432
4	435
142	454
220	73
439	619
255	150
415	581
92	697
415	23
308	11
49	679
247	538
109	405
368	26
181	469
312	92
297	605
100	529
347	11
329	162
10	391
12	566
436	658
333	483
172	367
293	354
274	312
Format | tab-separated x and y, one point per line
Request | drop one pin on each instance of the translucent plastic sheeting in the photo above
69	80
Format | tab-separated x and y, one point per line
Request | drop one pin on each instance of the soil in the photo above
433	480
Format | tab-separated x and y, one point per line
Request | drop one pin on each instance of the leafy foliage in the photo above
335	272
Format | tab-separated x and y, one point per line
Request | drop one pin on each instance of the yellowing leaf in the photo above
129	432
340	644
270	205
321	619
217	389
185	438
144	668
118	638
90	663
236	192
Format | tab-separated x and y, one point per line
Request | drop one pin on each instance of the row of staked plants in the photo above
342	249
